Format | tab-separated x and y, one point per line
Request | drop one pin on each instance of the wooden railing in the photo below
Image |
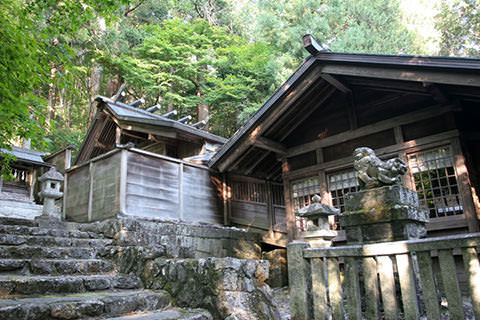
390	280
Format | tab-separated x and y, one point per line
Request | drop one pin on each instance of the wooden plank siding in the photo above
76	198
152	187
138	183
202	200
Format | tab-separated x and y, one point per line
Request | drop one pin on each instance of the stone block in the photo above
278	267
389	213
378	198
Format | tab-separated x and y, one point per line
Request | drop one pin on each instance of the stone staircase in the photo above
61	272
18	208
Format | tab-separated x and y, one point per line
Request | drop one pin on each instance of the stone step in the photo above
37	231
170	314
89	305
19	209
50	241
19	204
56	267
14	286
17	221
31	252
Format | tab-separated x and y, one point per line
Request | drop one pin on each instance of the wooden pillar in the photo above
64	200
226	198
68	158
91	174
270	208
118	135
33	177
123	181
180	191
290	214
464	187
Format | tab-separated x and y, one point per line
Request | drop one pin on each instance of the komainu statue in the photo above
374	172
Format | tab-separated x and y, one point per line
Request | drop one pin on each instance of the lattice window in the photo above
248	191
302	193
277	194
436	181
341	183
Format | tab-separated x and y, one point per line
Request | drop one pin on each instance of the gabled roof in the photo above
125	112
323	72
27	155
132	118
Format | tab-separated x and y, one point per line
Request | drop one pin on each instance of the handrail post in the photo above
300	283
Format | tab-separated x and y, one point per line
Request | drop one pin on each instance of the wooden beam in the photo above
270	145
336	83
437	93
291	95
381	72
275	173
256	163
388	85
412	146
352	112
370	129
327	93
239	159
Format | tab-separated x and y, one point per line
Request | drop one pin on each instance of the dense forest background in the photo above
214	59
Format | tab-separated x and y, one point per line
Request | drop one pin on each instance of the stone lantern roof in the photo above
52	175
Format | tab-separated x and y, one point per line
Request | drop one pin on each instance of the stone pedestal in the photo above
389	213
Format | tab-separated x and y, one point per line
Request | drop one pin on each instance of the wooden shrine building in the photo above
425	110
135	162
27	165
119	123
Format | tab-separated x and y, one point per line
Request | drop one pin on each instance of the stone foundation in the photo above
389	213
229	288
181	240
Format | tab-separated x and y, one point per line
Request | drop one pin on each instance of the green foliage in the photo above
459	24
36	37
372	26
182	65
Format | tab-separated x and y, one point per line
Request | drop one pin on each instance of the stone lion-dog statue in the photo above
373	172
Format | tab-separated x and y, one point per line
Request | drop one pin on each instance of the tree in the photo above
193	66
372	26
34	57
459	24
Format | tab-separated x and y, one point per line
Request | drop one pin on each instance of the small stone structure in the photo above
385	210
318	233
50	191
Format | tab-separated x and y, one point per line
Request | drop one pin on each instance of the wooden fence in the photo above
393	280
135	182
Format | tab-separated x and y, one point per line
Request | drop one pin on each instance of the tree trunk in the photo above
96	77
203	110
51	94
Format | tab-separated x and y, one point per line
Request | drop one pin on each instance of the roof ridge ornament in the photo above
312	46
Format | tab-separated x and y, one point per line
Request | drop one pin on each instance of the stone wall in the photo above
181	240
229	288
201	266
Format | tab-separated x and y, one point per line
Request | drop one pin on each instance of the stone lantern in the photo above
50	191
317	215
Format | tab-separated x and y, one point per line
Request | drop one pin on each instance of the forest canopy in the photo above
211	59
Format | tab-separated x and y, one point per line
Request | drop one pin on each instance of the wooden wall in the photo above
257	204
170	188
139	183
92	189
